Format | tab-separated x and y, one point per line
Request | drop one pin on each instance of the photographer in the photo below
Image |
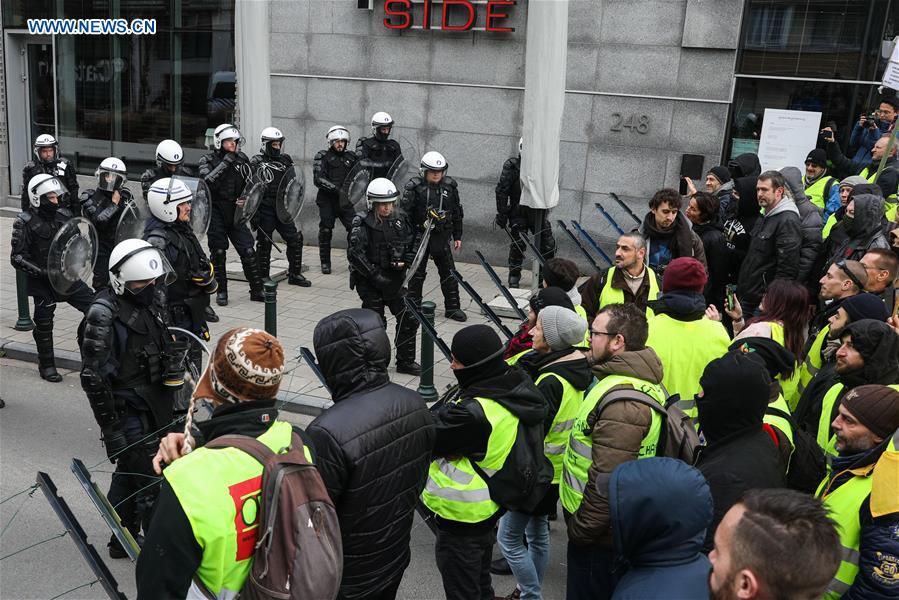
888	181
871	127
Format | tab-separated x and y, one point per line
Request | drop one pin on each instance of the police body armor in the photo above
508	189
378	155
441	204
60	168
101	211
151	176
386	243
329	171
32	234
225	181
271	171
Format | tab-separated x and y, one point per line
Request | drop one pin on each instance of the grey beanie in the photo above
562	327
853	181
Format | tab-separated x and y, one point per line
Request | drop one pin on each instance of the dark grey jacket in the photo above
810	222
773	251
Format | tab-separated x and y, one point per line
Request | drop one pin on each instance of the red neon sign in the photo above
399	15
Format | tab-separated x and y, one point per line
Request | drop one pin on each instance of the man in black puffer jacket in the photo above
373	449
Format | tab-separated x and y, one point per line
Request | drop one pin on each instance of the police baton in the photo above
310	362
609	218
494	318
583	233
428	328
580	246
499	285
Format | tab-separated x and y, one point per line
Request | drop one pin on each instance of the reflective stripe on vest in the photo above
813	361
556	439
815	192
454	490
218	490
611	295
579	454
844	503
789	387
685	348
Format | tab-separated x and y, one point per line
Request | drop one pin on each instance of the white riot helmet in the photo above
380	190
45	140
169	152
223	132
336	133
164	197
43	184
520	144
111	174
269	135
136	260
432	161
378	120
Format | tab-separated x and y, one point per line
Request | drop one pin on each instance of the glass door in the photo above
41	89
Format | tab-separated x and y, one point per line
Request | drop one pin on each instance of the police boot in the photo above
295	265
210	315
43	339
514	274
450	291
251	272
221	277
264	258
324	249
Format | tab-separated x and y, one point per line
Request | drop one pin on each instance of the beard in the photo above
721	593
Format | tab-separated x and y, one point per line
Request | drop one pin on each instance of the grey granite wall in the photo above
667	64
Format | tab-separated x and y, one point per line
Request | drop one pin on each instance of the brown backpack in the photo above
299	553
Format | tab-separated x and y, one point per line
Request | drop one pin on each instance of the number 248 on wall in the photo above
636	123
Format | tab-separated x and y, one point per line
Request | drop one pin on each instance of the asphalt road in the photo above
43	427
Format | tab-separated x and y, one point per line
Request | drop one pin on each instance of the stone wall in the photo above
666	63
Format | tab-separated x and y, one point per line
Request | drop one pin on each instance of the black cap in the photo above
817	157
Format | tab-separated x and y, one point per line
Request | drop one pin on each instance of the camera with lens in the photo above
871	121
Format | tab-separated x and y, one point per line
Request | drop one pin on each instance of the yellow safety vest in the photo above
831	221
889	204
219	492
454	490
513	360
815	191
844	503
789	386
556	439
812	363
685	348
579	453
611	295
583	313
779	422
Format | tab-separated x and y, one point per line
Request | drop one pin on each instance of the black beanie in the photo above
817	157
475	343
720	173
735	391
550	296
865	306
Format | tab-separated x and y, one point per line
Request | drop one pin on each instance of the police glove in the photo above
175	363
230	158
380	281
501	220
437	215
114	439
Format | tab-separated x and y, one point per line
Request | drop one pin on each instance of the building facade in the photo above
648	81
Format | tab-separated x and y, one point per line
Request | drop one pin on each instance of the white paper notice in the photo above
787	138
891	75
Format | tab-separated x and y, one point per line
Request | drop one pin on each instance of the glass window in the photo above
146	88
208	84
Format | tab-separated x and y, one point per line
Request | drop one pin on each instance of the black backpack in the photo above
807	464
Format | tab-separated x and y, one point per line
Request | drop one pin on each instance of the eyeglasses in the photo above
608	333
841	265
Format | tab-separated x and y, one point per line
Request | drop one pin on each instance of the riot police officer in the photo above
270	166
48	161
378	153
169	161
32	234
185	298
226	171
519	218
432	200
381	248
329	170
130	369
103	207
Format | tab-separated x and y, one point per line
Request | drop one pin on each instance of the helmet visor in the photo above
142	267
110	181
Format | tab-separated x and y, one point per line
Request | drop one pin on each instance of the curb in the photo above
303	404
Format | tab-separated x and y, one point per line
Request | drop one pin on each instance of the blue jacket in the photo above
660	509
864	139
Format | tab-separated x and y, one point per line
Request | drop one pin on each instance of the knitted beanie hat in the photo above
865	306
562	328
246	365
684	274
875	406
720	173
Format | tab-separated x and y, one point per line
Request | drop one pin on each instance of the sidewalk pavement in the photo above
299	309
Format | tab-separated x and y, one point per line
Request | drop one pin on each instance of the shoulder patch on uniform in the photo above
886	569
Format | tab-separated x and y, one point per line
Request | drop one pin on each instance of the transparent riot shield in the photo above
200	204
133	219
291	195
72	254
352	193
406	166
248	202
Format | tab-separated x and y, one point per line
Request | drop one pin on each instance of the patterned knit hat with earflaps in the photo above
247	365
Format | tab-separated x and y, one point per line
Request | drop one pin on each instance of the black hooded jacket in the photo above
745	165
373	449
742	214
864	230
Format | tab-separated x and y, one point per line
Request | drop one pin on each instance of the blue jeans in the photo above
589	573
528	564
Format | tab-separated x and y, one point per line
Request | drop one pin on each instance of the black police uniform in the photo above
272	169
226	174
126	354
329	171
377	248
151	176
60	168
441	203
520	219
378	155
99	208
32	234
184	300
